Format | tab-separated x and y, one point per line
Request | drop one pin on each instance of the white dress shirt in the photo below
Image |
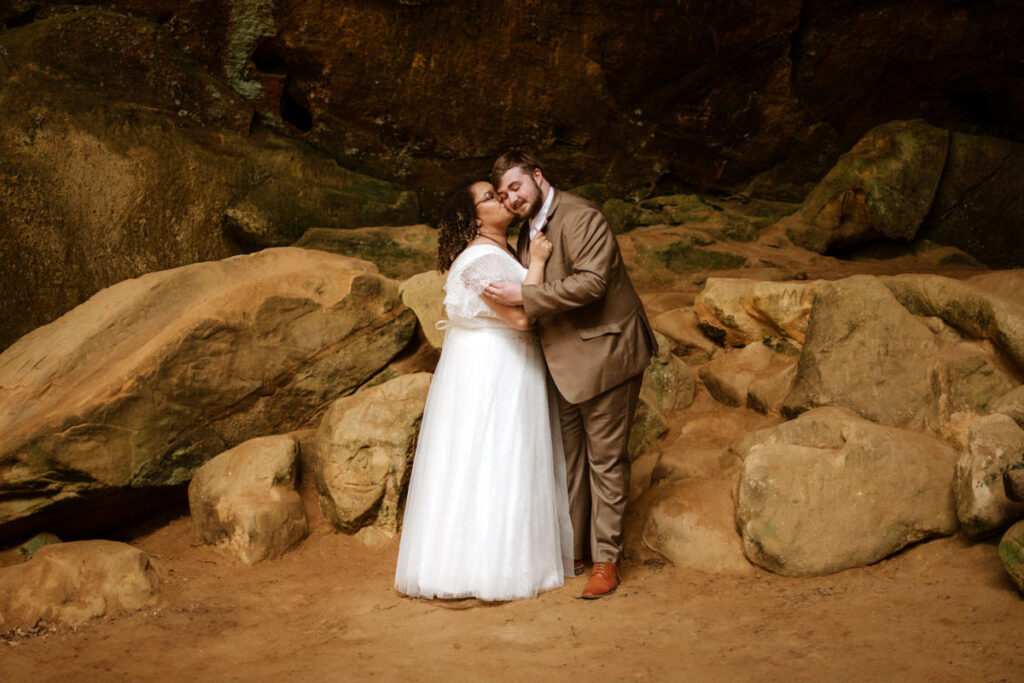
538	221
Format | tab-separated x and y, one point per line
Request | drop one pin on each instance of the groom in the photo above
597	343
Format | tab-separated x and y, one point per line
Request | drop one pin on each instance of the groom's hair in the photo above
511	159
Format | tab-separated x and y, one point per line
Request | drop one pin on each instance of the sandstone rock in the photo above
1011	552
681	257
300	190
244	500
68	584
648	427
122	157
152	377
967	380
399	252
418	356
729	375
1011	404
1004	284
738	312
681	328
711	459
676	209
643	105
622	216
689	517
1013	482
882	187
980	188
867	353
996	442
424	294
717	220
830	491
691	525
668	384
363	453
985	307
767	392
641	466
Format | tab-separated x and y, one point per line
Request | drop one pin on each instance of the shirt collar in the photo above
538	221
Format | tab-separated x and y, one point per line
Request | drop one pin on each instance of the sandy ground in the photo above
943	610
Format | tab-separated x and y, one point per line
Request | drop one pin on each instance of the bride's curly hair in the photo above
456	225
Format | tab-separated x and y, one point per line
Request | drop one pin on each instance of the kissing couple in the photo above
521	472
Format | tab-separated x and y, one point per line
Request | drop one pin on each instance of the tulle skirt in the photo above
487	511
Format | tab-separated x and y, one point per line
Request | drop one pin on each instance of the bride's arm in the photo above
540	252
513	315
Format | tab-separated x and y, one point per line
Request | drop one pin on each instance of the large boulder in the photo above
866	352
830	491
244	500
689	517
978	197
122	157
995	444
363	450
67	584
150	378
883	187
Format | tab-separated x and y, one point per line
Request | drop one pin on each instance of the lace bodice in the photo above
472	271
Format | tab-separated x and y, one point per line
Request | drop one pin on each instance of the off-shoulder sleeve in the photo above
490	268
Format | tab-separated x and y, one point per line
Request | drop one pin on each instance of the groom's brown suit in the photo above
597	343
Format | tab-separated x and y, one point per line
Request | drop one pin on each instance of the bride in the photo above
487	512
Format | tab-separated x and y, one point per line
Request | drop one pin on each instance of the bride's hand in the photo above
540	247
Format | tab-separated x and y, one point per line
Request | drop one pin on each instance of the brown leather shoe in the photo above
604	579
577	567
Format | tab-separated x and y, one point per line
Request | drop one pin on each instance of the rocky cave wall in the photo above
140	135
714	93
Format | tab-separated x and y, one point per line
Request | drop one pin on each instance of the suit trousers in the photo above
595	434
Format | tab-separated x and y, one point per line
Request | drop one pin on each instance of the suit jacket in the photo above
592	326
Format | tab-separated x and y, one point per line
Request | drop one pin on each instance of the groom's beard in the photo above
538	201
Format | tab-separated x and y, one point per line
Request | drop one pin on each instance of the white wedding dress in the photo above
487	513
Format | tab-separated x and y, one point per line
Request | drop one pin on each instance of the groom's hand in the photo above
505	293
